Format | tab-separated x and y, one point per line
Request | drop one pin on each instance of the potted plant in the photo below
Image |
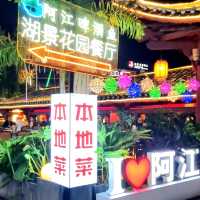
116	141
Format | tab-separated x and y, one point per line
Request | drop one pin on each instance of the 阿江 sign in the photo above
66	36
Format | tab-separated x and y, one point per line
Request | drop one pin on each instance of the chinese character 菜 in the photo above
60	165
97	48
83	166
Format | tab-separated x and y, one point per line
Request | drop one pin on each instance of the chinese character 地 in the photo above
84	139
60	111
84	112
83	166
60	138
60	165
31	29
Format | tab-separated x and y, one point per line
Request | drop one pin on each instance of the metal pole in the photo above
62	81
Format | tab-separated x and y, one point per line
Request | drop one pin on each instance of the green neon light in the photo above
49	78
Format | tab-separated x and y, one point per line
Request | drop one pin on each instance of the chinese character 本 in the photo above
60	138
86	109
98	29
60	111
66	18
60	165
50	12
83	166
112	34
82	44
84	140
67	40
50	35
31	29
97	48
110	50
162	165
84	23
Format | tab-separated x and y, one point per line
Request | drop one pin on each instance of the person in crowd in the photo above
6	124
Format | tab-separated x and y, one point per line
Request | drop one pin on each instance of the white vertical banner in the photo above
60	131
83	140
74	139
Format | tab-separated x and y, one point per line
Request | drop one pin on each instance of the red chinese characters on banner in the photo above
60	138
84	112
60	111
84	140
83	166
60	165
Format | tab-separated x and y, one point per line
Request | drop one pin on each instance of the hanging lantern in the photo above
124	81
193	84
110	85
173	95
96	85
160	70
155	92
180	87
134	90
146	84
187	97
165	87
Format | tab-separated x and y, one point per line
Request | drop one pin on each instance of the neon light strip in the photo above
68	55
78	64
144	99
81	58
174	19
49	78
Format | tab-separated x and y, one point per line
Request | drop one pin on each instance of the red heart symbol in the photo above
136	172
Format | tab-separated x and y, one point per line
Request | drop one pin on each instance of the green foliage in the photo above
128	24
115	140
23	157
8	52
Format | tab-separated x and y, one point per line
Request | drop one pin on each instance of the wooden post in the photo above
62	81
196	65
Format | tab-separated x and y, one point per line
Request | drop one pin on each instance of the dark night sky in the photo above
128	49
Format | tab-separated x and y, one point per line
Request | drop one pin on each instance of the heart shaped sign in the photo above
136	172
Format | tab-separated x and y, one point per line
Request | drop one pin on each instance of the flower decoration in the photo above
155	92
173	95
96	85
187	97
134	90
146	84
165	87
110	85
193	84
180	87
124	81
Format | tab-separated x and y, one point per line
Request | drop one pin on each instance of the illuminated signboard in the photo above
67	37
74	139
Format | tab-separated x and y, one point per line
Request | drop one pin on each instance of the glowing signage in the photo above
75	38
74	139
157	167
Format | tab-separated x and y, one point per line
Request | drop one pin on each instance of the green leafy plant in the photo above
128	24
116	139
23	157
